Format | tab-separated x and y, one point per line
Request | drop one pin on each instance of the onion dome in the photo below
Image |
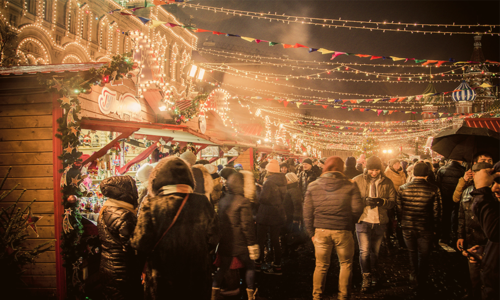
463	93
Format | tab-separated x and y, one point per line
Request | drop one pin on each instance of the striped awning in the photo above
463	93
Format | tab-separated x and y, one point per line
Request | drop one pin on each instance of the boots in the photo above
251	294
215	293
374	276
367	280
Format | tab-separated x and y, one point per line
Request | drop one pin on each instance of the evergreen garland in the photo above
69	128
183	116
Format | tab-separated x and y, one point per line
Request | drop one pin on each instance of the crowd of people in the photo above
192	222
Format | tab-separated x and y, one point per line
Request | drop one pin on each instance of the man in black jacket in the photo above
447	180
419	210
486	208
332	206
470	232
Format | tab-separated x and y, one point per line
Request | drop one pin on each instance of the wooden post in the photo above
58	207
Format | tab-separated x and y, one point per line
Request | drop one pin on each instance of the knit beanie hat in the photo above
421	169
373	163
393	161
143	173
307	161
291	177
333	164
219	168
273	166
189	157
238	167
211	168
350	162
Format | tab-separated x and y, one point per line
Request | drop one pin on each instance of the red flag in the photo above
202	30
287	46
324	106
375	57
299	46
285	103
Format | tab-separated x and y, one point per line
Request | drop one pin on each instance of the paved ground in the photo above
448	275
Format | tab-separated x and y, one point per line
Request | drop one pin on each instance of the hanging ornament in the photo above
66	223
72	199
63	176
31	221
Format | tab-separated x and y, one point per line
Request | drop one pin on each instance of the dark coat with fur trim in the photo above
236	220
271	210
120	269
180	266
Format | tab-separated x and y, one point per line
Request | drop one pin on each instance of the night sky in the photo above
435	46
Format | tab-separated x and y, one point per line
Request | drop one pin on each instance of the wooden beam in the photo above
57	113
125	134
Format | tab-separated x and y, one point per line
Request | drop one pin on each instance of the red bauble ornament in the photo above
72	198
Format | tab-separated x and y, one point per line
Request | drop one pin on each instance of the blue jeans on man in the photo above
370	237
419	243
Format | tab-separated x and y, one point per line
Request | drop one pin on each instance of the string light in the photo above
372	25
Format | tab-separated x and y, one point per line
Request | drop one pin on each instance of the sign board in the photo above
126	105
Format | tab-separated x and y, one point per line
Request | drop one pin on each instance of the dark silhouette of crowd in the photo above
191	223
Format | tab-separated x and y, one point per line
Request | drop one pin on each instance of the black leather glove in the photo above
374	202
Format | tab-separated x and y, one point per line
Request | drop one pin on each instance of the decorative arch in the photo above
71	59
103	32
104	58
33	52
77	50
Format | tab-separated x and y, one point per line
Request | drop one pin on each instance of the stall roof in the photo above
490	123
179	133
59	68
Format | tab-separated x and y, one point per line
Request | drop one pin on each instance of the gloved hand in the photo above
254	252
374	202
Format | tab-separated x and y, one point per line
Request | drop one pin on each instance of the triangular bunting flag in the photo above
248	39
202	30
375	57
440	63
143	20
394	58
325	51
273	43
324	106
336	54
286	46
156	23
299	46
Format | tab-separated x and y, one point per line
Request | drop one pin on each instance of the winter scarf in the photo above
178	188
118	203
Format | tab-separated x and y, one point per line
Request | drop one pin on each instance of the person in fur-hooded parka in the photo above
180	265
203	180
120	268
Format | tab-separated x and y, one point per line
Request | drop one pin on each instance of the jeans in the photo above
324	241
369	238
274	231
419	243
225	263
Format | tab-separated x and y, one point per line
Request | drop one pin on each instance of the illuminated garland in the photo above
299	64
339	23
345	70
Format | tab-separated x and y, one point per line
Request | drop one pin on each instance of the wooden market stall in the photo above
28	122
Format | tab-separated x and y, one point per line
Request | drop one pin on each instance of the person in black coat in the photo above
120	268
178	264
447	179
486	208
293	210
237	230
419	212
306	176
350	168
271	213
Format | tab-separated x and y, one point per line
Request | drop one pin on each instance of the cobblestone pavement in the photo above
448	277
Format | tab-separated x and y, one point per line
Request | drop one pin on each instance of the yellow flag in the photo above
376	100
156	23
248	39
325	51
331	100
407	112
485	85
440	114
298	104
394	58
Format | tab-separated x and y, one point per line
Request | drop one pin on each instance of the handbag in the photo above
168	229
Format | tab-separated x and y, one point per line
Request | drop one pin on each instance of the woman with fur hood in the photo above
178	263
237	230
203	181
120	268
